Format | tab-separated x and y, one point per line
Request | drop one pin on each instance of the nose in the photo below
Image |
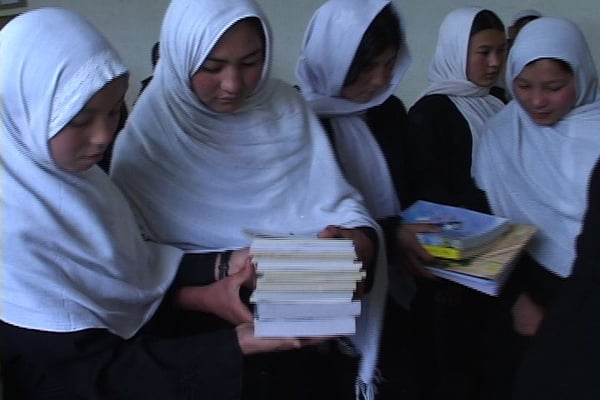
538	99
380	76
231	80
496	59
103	133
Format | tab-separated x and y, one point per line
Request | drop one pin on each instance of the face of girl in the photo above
546	90
232	70
373	78
486	57
82	142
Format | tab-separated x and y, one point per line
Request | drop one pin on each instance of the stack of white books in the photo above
305	287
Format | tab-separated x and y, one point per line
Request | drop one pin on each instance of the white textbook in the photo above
288	327
305	286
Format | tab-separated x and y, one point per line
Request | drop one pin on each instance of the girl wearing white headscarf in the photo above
444	128
353	57
445	122
535	158
204	172
78	280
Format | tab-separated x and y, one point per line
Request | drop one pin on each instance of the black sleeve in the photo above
95	364
195	270
439	151
390	227
588	251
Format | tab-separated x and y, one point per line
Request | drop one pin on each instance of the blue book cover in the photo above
460	228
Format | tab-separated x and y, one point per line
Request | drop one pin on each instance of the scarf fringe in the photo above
367	391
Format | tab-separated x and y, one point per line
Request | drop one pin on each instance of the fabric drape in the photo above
72	254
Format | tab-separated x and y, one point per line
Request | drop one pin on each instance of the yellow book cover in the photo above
488	271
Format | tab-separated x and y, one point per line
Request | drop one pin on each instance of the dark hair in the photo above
525	20
486	19
382	33
257	23
155	54
564	65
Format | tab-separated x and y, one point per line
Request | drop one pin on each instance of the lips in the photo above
540	115
94	157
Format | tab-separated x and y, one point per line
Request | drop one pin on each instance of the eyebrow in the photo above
220	60
87	109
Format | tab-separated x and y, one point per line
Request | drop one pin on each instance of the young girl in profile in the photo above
79	282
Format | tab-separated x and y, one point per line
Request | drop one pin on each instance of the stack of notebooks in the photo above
305	287
474	249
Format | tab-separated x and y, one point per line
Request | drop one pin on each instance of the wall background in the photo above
134	25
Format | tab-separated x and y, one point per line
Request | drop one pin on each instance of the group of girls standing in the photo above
135	285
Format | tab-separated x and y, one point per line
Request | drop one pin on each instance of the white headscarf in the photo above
448	72
201	180
538	174
72	255
330	43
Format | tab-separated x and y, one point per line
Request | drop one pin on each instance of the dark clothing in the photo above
387	123
439	157
96	364
466	343
564	358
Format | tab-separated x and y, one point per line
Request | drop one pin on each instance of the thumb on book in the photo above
246	276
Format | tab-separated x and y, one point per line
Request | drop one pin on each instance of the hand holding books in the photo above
474	249
412	254
238	260
365	250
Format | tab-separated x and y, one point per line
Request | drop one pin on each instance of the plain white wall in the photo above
134	25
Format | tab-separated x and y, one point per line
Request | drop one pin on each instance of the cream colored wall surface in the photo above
134	25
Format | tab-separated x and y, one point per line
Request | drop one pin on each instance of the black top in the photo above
564	358
96	364
439	154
